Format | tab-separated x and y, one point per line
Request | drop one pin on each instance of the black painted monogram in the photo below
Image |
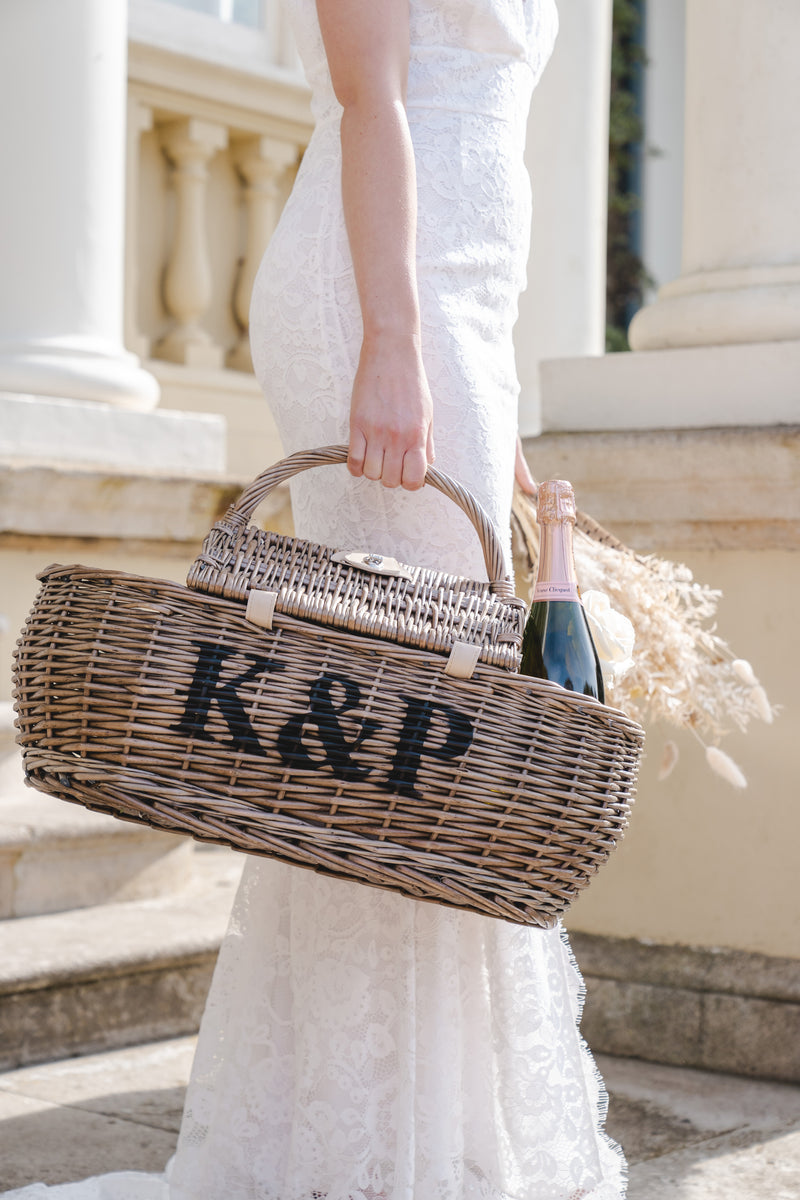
329	732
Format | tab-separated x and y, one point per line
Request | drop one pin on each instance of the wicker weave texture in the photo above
430	610
334	751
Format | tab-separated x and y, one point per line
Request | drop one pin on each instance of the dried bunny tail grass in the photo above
724	765
683	671
669	758
761	701
744	671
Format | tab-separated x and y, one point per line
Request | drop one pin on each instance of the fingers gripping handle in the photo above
268	480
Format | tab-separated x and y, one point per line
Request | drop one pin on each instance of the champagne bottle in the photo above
557	643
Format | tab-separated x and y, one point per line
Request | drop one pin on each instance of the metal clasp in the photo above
376	564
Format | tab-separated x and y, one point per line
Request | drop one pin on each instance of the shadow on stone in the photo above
124	1131
646	1131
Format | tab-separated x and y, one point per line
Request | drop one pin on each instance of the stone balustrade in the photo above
212	154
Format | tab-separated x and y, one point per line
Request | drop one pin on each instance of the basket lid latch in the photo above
376	564
463	660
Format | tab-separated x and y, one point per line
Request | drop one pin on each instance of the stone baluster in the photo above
262	163
189	144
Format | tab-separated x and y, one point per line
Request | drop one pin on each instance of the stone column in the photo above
283	50
562	313
720	346
740	271
62	148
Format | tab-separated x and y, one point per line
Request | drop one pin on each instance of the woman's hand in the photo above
391	414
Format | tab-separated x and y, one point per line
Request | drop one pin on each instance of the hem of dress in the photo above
597	1193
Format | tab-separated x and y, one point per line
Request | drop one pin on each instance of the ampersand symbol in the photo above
324	715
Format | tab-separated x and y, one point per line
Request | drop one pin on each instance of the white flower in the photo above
612	632
724	765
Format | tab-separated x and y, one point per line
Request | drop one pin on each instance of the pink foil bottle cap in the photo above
555	502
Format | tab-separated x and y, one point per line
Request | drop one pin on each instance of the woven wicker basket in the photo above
367	721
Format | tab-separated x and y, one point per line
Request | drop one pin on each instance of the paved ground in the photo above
689	1135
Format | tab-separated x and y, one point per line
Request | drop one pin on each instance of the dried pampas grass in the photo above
682	671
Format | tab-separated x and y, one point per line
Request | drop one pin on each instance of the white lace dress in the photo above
358	1045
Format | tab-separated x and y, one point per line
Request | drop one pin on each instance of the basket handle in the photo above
304	460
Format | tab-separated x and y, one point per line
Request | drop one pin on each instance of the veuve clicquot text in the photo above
557	643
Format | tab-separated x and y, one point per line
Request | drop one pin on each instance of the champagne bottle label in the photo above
561	590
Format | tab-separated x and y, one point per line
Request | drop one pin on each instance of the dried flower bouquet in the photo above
680	669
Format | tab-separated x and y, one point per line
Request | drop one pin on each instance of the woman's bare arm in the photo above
367	44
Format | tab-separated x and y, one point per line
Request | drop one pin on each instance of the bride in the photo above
359	1045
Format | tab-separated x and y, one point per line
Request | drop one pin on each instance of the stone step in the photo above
687	1135
56	857
113	975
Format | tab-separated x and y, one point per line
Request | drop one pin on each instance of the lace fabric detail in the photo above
368	1047
459	49
306	333
359	1045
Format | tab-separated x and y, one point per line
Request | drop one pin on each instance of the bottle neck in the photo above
556	578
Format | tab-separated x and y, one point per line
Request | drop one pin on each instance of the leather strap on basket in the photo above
268	480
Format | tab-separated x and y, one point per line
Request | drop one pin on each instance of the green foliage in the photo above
616	339
625	273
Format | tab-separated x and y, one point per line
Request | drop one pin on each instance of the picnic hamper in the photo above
329	708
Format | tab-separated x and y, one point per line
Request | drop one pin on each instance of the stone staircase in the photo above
108	932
